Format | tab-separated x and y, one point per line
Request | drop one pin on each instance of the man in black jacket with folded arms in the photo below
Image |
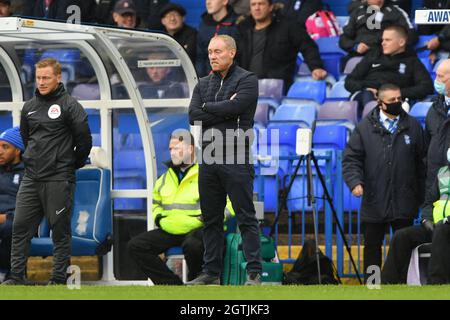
224	104
57	139
392	64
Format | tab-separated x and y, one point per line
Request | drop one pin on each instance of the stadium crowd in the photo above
383	63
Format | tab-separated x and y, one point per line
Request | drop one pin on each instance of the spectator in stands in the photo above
440	44
383	163
159	85
5	8
177	216
364	29
55	131
172	18
437	124
240	7
300	10
11	173
219	18
124	14
225	102
435	228
393	64
269	44
50	9
403	4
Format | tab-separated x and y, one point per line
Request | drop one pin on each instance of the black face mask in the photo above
394	108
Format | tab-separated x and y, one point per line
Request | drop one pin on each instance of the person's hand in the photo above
233	96
319	74
2	218
358	191
428	225
433	44
362	48
374	91
432	57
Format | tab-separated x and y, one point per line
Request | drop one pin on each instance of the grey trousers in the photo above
35	200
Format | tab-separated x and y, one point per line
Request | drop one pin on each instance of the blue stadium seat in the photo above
331	54
302	115
338	92
272	88
194	11
311	90
5	121
420	110
339	112
91	218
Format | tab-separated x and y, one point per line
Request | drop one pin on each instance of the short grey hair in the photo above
229	41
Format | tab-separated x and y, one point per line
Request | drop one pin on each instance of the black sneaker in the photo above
204	279
253	279
53	282
14	282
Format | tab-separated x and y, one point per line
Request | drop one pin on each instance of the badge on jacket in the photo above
16	179
402	68
407	139
54	112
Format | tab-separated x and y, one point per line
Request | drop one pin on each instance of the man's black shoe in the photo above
253	279
14	282
204	279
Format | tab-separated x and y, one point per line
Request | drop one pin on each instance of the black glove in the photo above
428	225
157	219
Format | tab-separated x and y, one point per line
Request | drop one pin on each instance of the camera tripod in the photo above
312	202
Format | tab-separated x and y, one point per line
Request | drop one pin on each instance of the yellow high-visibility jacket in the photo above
178	203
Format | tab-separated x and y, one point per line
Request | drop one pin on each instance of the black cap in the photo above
125	6
172	7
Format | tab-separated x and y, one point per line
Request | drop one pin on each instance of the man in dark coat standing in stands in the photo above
383	163
268	45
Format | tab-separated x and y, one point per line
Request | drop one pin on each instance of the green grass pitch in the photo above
347	292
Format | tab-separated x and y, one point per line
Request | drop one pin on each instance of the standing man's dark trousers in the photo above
5	245
373	239
439	265
35	200
146	248
395	270
216	181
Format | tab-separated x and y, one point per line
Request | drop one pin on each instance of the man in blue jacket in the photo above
11	173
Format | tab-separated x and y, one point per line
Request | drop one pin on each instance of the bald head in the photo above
444	67
443	76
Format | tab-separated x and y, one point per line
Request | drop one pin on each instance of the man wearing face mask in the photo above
437	124
176	212
383	163
435	228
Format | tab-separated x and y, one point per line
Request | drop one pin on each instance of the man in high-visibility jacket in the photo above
176	212
435	228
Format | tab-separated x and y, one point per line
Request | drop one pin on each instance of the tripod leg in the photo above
312	203
333	209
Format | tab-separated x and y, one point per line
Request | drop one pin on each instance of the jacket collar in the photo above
12	168
230	71
58	92
439	105
374	119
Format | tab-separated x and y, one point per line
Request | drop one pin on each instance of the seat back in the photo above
92	209
303	115
420	110
338	91
311	90
351	64
332	137
339	110
369	107
262	113
272	88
